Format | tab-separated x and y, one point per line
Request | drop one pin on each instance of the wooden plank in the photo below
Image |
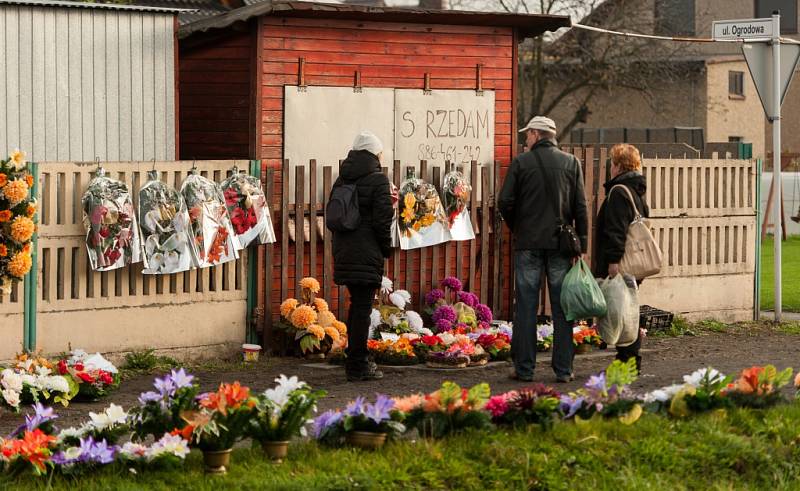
396	255
485	216
408	255
473	216
437	277
299	242
312	219
284	227
268	335
590	187
172	97
423	253
327	243
497	276
11	66
99	74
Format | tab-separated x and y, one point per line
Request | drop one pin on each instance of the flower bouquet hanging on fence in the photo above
456	191
247	207
112	237
167	240
422	221
17	220
210	223
311	322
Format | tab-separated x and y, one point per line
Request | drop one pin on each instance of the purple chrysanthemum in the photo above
452	283
443	325
483	312
444	312
468	298
434	296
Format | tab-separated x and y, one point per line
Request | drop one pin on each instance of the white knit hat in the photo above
369	142
540	123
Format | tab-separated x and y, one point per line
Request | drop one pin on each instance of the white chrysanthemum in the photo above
414	321
697	377
43	371
447	338
55	383
11	397
400	298
394	320
169	444
11	380
78	355
31	380
425	332
386	285
375	319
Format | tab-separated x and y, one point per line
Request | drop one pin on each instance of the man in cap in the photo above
542	193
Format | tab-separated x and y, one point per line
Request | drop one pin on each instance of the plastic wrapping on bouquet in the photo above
209	222
247	208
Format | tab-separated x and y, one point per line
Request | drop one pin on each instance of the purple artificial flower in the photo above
483	325
506	330
41	416
597	382
434	296
325	421
89	452
443	325
452	283
570	405
181	379
468	298
165	386
355	408
61	459
102	453
379	411
444	312
483	312
149	396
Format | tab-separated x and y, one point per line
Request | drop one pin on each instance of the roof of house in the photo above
528	24
168	7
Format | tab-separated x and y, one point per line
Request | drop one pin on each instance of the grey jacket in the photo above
523	201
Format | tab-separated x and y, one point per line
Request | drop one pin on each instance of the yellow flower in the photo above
316	330
321	305
409	200
311	284
20	264
31	210
287	307
326	318
332	332
29	180
340	326
22	229
303	316
17	159
427	219
15	191
417	226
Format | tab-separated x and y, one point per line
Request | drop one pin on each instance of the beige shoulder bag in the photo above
642	256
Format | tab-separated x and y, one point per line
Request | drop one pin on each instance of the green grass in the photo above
743	450
790	275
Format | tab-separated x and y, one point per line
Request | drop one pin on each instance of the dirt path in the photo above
665	362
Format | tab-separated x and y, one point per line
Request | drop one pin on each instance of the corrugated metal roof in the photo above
528	24
86	5
200	9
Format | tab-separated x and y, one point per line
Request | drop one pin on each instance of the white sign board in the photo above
322	122
743	29
444	125
759	61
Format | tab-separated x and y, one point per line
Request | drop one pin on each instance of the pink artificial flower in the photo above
497	406
98	214
124	237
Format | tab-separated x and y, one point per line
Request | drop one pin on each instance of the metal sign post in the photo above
772	71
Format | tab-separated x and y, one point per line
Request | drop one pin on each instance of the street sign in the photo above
743	29
759	61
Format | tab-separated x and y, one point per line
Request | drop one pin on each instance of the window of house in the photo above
734	139
787	8
674	17
736	84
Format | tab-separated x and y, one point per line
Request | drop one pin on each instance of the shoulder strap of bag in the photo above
638	215
547	187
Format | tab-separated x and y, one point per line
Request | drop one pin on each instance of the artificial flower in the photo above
3	179
326	318
400	298
5	216
22	229
341	327
321	305
288	306
332	333
3	250
316	330
303	316
15	191
310	284
17	159
20	264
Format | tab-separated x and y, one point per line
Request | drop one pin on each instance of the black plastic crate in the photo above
651	318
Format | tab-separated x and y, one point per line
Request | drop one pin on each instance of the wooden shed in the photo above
287	82
82	81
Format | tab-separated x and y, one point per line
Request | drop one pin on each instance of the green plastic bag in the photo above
581	297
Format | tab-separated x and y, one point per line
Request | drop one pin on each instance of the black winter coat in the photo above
358	255
614	217
525	203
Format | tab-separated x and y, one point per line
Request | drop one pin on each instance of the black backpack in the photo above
342	214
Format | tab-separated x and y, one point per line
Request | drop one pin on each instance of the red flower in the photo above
86	377
104	232
431	340
231	197
62	367
79	367
106	378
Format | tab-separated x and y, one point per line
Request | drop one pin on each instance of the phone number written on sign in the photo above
460	154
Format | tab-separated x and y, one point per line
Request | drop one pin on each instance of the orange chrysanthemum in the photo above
29	180
311	284
20	264
288	306
3	250
22	229
31	210
340	326
321	305
332	333
5	215
3	179
326	318
16	191
303	316
316	330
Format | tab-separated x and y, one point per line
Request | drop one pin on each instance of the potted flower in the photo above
606	394
396	353
313	325
159	412
222	419
96	377
281	414
758	387
450	409
535	405
585	338
497	345
31	444
701	391
425	345
452	308
390	314
362	424
544	337
168	452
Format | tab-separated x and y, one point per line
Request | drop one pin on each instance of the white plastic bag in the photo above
620	325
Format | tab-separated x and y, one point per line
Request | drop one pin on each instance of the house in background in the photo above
83	81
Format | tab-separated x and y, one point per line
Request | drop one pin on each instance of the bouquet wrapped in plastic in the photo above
209	222
112	237
247	207
422	221
17	220
164	220
456	191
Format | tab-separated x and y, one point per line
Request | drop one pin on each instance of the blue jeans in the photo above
529	267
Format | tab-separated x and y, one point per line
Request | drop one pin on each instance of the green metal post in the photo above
252	271
30	283
759	221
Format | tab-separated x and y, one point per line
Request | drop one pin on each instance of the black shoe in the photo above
364	376
563	379
515	376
